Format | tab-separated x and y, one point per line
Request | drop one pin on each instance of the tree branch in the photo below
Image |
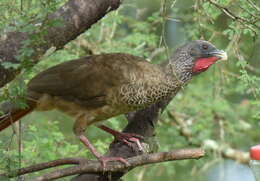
90	166
76	17
234	17
209	145
42	166
253	5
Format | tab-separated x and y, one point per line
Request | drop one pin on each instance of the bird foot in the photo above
103	160
129	138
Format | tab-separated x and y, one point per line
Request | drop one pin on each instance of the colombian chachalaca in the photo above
99	87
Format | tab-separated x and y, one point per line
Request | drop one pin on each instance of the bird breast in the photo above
140	95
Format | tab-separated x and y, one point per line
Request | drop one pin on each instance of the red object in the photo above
202	64
255	152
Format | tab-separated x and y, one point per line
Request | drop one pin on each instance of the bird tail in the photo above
13	114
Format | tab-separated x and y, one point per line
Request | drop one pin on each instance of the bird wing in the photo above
88	79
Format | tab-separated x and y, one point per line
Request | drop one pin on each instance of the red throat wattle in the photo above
202	64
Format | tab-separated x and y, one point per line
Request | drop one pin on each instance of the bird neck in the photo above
180	71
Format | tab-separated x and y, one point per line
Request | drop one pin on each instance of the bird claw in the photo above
129	138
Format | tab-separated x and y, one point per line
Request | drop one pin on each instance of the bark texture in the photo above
76	17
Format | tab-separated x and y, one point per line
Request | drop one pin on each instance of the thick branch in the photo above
76	17
42	166
90	166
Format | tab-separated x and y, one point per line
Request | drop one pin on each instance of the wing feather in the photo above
86	78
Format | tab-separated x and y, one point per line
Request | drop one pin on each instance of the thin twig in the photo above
253	5
224	150
250	13
233	16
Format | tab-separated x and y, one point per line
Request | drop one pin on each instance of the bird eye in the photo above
205	47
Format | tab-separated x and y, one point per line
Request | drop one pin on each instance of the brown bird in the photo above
99	87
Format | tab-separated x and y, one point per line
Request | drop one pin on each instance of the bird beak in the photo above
222	55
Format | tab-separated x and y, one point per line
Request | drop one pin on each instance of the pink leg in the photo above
102	159
127	138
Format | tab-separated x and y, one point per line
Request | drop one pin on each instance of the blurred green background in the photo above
219	110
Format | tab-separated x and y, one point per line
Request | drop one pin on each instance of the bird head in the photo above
195	57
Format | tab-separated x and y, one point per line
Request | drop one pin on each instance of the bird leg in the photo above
126	138
101	158
79	128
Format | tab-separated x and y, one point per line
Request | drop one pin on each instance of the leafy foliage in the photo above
221	105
